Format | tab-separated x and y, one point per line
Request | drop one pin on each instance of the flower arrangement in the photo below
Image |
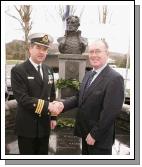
68	83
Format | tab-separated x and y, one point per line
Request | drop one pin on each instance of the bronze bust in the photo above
72	42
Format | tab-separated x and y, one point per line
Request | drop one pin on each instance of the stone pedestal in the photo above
71	66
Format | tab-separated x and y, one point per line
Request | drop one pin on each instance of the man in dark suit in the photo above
33	87
99	103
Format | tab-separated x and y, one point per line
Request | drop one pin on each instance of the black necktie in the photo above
90	79
38	67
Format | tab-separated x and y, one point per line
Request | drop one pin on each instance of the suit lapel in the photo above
95	83
82	88
93	86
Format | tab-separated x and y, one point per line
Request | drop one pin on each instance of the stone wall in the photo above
10	114
123	121
10	121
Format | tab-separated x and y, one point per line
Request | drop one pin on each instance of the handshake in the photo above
55	107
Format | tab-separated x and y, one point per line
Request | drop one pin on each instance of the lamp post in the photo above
127	68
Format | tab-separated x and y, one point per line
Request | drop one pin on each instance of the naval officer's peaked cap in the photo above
41	39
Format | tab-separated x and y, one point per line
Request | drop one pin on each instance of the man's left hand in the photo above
90	140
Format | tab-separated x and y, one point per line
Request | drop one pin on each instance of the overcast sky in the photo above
45	18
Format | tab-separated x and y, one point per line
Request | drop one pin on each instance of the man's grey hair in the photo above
103	41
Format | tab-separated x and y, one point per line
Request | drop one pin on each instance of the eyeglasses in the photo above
97	51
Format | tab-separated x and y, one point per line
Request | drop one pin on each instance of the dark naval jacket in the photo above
33	96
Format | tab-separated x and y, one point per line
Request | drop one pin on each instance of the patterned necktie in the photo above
90	79
38	67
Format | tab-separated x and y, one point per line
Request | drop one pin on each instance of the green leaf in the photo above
64	83
65	122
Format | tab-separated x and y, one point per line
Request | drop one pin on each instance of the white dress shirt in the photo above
98	72
36	66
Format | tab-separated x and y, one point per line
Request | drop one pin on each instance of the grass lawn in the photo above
10	62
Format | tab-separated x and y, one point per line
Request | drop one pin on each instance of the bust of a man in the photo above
72	42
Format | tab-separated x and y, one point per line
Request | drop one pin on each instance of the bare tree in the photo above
68	10
65	11
24	12
104	14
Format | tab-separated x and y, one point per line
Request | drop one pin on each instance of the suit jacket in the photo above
98	107
28	88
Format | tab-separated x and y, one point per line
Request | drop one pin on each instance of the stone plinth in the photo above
72	66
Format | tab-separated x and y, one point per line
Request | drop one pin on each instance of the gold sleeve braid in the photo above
39	107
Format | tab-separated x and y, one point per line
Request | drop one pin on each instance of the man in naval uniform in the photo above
33	88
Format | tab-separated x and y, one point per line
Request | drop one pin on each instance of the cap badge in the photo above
45	39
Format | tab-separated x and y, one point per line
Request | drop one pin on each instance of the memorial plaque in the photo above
72	70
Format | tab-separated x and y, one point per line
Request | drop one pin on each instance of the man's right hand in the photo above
56	107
